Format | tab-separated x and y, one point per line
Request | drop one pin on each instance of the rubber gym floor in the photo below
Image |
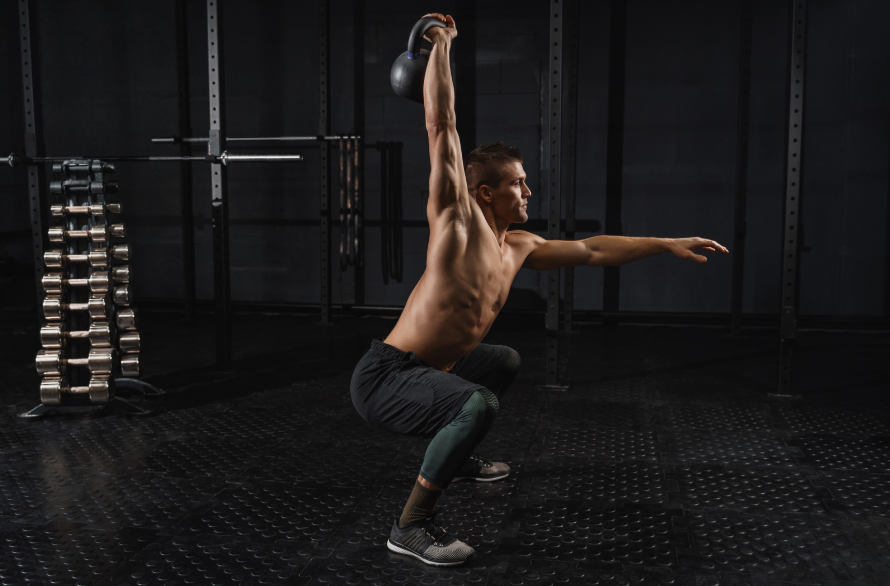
665	463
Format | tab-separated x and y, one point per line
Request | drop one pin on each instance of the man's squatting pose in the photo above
431	376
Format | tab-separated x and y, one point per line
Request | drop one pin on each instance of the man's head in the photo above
496	179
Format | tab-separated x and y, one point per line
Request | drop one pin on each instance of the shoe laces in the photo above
438	530
485	463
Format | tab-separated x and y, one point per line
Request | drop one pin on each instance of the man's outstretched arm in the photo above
605	251
448	185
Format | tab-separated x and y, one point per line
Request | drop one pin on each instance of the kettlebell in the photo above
409	68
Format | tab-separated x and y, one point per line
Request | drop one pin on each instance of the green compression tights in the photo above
451	447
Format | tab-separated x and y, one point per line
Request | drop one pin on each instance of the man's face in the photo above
510	200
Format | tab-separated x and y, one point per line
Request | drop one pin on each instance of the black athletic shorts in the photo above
399	392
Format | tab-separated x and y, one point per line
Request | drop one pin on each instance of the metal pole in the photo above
33	144
793	175
465	75
309	139
359	130
572	50
615	152
553	135
185	169
324	128
219	191
741	169
225	158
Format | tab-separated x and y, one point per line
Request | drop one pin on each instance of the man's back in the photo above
466	281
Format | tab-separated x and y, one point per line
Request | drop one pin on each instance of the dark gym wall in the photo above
108	85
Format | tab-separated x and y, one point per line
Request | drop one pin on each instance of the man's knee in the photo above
490	401
512	361
475	410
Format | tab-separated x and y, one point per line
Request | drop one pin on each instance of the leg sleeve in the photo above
451	447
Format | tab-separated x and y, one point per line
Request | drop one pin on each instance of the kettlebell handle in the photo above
417	32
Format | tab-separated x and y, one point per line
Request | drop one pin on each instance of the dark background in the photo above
107	84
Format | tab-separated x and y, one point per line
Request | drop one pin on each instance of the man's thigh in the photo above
488	365
408	396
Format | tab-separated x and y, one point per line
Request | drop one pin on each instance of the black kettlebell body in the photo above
409	68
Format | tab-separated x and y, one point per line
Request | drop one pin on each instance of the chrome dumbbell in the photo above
100	335
121	293
126	319
130	365
100	361
100	233
98	307
100	389
98	282
129	342
97	209
97	258
54	283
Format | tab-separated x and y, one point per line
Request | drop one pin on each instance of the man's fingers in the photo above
711	248
699	258
718	246
437	15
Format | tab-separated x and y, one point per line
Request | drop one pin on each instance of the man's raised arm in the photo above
448	185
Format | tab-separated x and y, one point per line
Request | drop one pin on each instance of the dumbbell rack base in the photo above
117	404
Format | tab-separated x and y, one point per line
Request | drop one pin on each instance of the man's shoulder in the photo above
521	236
523	241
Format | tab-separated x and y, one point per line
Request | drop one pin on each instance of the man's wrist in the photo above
666	244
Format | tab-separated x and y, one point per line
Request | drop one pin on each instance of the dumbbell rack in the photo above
89	339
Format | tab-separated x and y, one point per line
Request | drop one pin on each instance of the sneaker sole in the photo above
398	549
481	479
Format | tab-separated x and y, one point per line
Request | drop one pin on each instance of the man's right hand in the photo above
438	33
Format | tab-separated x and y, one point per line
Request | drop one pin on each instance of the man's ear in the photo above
484	191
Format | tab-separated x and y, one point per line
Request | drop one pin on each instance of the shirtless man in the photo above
431	376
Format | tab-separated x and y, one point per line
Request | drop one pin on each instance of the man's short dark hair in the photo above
485	164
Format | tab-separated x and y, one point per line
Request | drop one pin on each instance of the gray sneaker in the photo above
478	469
427	541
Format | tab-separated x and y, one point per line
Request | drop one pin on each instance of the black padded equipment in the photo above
409	68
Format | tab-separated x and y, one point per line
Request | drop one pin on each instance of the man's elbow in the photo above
597	259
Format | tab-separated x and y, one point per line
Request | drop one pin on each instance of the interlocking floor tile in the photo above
842	453
324	464
385	568
738	450
764	492
600	482
574	532
577	440
808	548
63	553
723	417
225	458
823	421
215	560
272	511
546	573
860	494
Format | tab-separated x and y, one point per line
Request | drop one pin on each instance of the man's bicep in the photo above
551	254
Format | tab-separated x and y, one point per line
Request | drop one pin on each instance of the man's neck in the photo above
498	227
